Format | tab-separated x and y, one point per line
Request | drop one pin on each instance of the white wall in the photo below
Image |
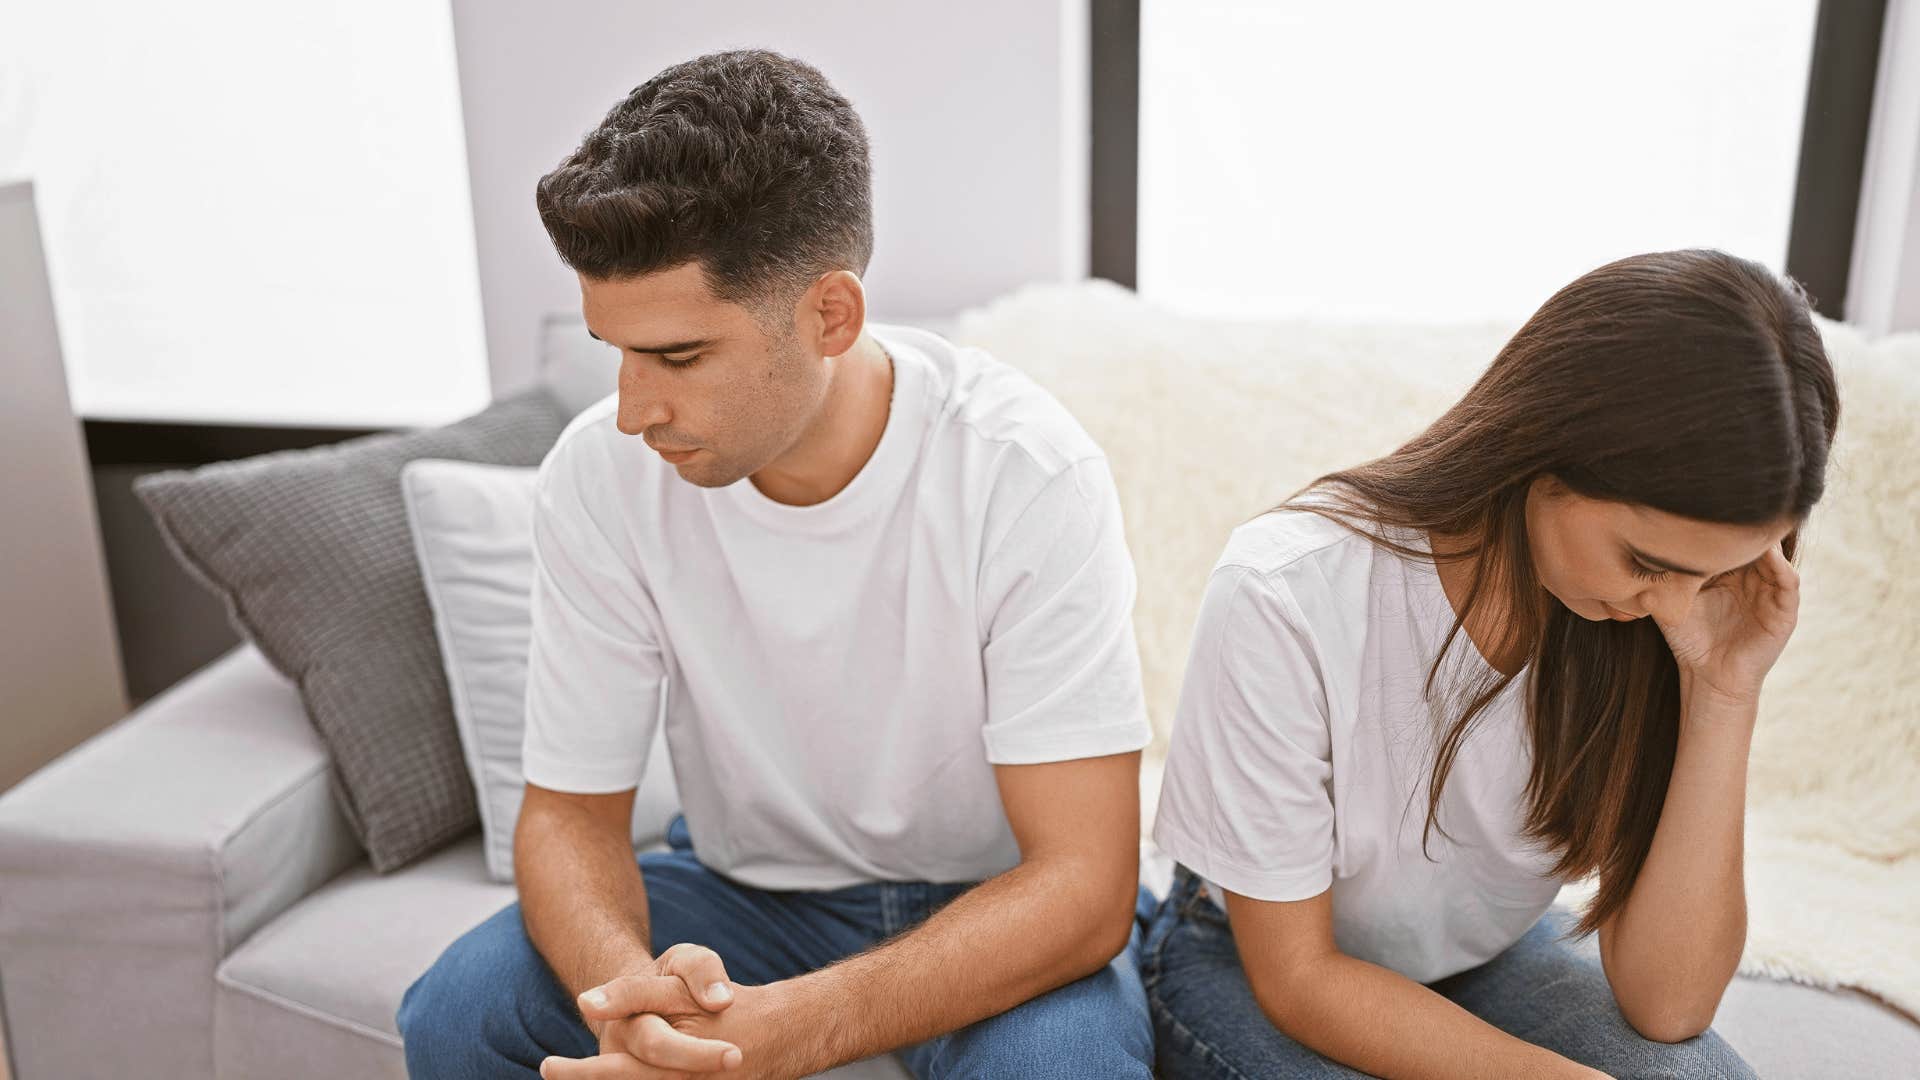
253	212
976	112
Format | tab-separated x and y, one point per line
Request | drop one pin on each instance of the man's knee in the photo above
1096	1027
487	1007
441	1014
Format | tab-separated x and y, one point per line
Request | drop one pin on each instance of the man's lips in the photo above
675	457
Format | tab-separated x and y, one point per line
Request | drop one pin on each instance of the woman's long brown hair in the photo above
1693	382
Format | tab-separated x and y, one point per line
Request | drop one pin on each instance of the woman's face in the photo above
1612	560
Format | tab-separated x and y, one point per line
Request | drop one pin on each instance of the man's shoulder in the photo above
985	410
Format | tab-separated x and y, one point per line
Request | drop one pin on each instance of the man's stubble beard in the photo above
719	473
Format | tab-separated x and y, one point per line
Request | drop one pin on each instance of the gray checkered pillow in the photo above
311	551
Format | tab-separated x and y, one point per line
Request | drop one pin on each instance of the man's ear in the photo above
836	307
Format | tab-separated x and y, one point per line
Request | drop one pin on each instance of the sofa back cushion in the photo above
311	553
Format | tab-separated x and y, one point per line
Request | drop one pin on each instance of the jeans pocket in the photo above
1184	932
1200	907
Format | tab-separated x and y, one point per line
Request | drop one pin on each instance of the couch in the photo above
182	897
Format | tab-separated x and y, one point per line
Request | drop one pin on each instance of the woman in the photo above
1525	648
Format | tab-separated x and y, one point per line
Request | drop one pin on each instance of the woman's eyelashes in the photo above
1645	572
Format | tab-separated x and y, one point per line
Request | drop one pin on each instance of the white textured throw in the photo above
1209	423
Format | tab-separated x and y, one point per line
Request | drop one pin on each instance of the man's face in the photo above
701	380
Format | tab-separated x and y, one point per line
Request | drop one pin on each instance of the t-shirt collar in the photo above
879	479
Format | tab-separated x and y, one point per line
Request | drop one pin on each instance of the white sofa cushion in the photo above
473	534
313	996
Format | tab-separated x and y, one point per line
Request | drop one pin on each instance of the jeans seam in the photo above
1155	958
1207	1052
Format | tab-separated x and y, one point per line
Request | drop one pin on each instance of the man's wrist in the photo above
802	1034
618	961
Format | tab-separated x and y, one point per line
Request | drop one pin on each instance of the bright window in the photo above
1455	162
252	212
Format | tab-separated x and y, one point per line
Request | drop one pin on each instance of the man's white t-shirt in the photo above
840	679
1302	745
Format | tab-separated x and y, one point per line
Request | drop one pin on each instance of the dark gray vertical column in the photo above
1833	148
1114	174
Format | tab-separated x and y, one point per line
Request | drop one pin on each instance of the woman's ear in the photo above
1547	486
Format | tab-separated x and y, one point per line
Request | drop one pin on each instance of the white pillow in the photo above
473	534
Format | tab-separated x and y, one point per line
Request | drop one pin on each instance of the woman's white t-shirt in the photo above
1303	742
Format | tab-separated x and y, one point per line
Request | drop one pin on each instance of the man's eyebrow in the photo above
661	350
1662	564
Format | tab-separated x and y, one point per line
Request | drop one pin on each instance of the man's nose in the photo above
640	407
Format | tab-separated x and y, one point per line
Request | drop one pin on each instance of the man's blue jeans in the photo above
1540	990
491	1007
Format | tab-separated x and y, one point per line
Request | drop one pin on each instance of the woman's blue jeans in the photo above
1207	1024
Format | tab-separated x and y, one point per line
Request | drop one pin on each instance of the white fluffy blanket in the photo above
1208	423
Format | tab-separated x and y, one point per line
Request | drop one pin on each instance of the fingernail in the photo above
543	1066
719	992
595	998
730	1059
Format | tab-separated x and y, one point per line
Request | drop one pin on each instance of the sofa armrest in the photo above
133	864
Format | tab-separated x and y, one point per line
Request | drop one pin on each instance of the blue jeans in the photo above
1207	1023
491	1007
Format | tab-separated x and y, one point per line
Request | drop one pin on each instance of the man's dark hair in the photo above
747	162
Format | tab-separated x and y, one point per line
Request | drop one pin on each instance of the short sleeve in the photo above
1246	801
594	668
1062	668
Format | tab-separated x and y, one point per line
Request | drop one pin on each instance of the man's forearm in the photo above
581	897
1012	938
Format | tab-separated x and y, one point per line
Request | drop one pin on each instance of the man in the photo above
883	583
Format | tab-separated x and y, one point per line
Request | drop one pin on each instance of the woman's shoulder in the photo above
1314	569
1292	540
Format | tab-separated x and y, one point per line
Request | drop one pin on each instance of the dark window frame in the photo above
1833	149
141	442
1113	204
